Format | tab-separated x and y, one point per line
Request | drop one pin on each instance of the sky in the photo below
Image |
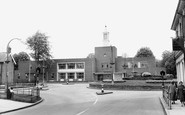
75	27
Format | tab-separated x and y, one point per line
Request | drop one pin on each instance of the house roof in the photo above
178	14
3	57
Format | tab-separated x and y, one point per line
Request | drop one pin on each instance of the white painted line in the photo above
88	108
95	100
82	112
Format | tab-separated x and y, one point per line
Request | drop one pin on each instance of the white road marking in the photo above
82	112
88	108
95	100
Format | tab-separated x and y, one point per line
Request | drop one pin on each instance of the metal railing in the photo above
166	97
24	84
32	91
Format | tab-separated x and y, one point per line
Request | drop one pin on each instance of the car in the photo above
146	74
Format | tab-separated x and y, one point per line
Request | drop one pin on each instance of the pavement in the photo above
176	108
10	105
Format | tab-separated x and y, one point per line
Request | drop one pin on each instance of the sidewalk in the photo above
176	108
9	105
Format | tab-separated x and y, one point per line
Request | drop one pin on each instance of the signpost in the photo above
162	74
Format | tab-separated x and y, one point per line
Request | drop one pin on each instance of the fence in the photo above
32	91
166	97
24	84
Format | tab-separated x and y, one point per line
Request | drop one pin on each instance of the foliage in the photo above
168	61
158	63
153	77
48	63
39	44
165	56
91	55
144	52
21	56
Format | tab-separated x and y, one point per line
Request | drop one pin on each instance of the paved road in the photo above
79	100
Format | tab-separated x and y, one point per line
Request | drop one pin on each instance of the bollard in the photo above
102	90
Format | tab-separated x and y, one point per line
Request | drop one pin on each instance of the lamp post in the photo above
8	50
162	74
112	63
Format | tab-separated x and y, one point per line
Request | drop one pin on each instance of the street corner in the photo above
17	106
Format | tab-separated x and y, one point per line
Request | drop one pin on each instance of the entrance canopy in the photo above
102	73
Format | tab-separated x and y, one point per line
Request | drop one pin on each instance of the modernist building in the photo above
178	26
105	64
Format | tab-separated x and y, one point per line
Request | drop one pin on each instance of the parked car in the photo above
146	74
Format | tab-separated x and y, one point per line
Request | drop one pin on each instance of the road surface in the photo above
77	99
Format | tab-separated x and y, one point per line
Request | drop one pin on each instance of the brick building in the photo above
104	65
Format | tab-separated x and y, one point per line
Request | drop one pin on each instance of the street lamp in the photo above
8	50
112	63
162	74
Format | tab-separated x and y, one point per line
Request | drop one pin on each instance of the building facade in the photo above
105	64
178	25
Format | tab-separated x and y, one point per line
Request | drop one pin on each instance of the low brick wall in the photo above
124	87
25	98
2	94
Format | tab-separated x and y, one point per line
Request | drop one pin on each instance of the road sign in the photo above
162	73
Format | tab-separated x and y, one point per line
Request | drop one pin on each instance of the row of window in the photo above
71	66
135	65
71	75
127	65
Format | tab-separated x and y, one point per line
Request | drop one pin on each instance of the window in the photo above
62	66
62	75
125	66
129	65
135	65
52	75
105	65
80	75
71	65
144	64
80	66
139	65
26	75
71	75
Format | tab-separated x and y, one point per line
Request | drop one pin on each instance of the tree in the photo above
21	56
144	52
165	56
168	61
91	55
39	45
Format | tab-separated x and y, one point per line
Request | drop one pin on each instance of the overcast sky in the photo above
75	27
